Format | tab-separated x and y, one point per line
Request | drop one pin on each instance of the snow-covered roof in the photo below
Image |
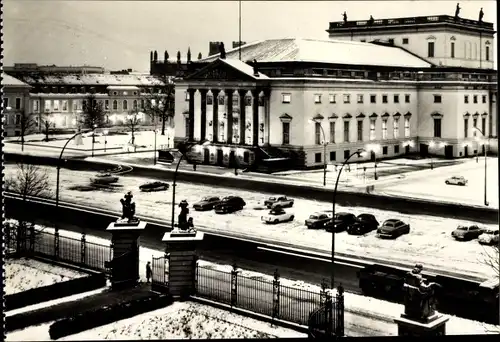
8	80
93	79
123	87
243	67
324	51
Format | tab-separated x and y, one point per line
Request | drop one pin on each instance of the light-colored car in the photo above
281	201
89	134
456	180
104	178
277	216
489	237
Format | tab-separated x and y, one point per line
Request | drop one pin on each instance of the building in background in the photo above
15	103
388	97
22	69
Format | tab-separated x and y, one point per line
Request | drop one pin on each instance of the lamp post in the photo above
358	152
105	132
315	121
431	145
374	148
93	138
485	164
154	159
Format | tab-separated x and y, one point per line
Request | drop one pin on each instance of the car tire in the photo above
276	221
292	217
447	182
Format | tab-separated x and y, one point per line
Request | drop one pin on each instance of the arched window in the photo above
115	104
125	105
134	104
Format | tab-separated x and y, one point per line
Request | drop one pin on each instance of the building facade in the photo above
15	104
292	96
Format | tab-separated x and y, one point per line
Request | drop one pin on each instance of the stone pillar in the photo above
181	247
229	93
191	113
125	263
215	115
434	326
242	93
267	113
255	116
203	121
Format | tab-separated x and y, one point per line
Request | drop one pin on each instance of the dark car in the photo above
393	228
342	221
466	233
230	204
206	203
318	220
365	223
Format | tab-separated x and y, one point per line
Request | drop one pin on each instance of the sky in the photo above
119	34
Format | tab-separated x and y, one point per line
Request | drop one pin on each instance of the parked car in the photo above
104	178
456	180
229	204
90	133
154	186
282	201
489	237
277	215
393	228
342	221
318	220
206	203
364	223
466	233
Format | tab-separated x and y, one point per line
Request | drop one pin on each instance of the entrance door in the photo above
448	151
372	156
206	156
220	158
466	151
424	150
232	159
407	149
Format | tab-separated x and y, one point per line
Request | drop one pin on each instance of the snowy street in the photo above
429	241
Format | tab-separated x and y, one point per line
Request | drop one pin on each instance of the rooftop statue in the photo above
183	223
420	297
345	17
371	21
481	15
457	11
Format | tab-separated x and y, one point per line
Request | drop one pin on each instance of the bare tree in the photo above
132	121
27	124
159	101
92	114
29	180
47	124
492	259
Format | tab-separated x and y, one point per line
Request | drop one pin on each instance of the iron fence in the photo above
213	284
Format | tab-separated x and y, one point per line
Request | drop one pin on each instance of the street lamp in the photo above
317	121
93	138
374	148
154	159
358	153
431	146
105	132
485	163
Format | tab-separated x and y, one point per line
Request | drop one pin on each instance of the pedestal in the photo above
125	263
434	326
181	248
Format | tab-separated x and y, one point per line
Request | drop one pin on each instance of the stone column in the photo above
215	115
191	113
267	114
255	116
242	93
229	93
203	121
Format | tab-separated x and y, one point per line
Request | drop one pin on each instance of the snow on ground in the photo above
25	274
429	241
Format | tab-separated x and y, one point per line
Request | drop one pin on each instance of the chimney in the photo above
255	68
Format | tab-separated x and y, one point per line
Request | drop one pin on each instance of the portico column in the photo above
255	115
215	115
229	93
267	115
191	113
243	120
203	93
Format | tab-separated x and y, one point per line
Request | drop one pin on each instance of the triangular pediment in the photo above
286	117
220	71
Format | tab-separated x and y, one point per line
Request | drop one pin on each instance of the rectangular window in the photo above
186	97
36	106
286	133
466	128
405	41
346	131
47	105
372	129
360	98
483	125
106	104
474	124
466	98
396	149
286	98
125	105
395	126
437	128
452	50
430	49
347	98
56	105
65	105
317	98
407	127
396	98
484	98
474	98
317	157
332	132
385	150
18	119
115	105
18	103
487	53
437	98
384	129
373	98
407	98
5	102
333	156
332	98
75	105
317	133
384	99
360	130
347	153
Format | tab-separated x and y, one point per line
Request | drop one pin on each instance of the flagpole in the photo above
239	30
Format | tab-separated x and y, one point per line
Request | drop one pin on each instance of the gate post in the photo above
329	314
32	238
234	285
83	249
339	311
276	294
